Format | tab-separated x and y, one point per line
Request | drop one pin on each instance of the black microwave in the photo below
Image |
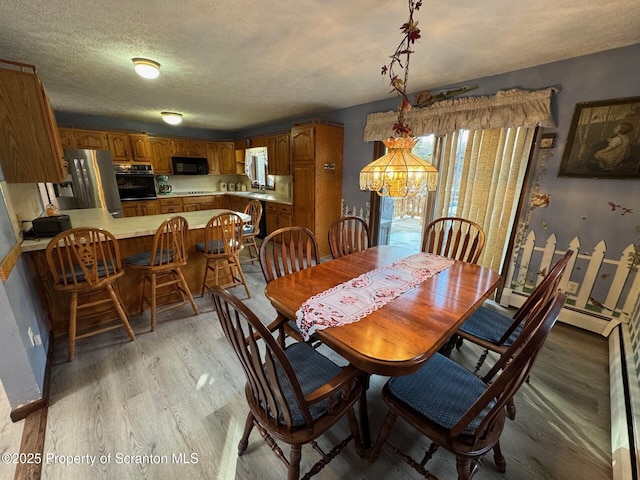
190	166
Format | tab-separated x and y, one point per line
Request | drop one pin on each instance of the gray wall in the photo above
22	366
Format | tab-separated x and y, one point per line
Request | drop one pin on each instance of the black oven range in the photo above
135	181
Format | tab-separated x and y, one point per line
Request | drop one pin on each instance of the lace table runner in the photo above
353	300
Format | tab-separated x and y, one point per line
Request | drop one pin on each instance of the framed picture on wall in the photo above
604	140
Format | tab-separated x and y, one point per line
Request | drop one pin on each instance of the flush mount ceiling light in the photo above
172	118
146	68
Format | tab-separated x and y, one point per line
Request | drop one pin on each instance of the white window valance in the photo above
508	108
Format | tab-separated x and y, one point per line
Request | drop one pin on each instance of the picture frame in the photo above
603	140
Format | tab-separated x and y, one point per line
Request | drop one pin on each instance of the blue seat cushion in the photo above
214	246
490	325
442	391
144	258
312	369
79	274
246	229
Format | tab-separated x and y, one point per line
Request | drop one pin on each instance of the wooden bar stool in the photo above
251	229
82	262
221	247
163	263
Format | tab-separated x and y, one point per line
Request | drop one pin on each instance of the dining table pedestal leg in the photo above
365	429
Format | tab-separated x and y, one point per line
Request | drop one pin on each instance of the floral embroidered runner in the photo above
353	300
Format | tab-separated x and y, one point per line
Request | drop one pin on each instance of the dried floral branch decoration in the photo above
400	60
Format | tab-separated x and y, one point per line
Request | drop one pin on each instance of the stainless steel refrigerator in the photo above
90	182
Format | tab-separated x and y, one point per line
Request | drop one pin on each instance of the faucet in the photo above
262	189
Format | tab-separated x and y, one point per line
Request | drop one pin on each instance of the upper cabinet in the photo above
119	146
282	157
129	147
30	150
160	149
140	149
221	158
188	148
91	139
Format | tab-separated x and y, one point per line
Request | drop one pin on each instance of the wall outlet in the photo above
34	338
572	287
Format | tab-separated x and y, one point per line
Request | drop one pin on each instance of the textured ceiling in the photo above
231	64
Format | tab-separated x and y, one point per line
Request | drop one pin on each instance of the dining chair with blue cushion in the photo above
251	229
454	237
161	267
348	235
283	252
459	411
294	394
495	331
221	247
84	261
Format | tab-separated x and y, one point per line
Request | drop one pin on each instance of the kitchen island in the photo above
135	235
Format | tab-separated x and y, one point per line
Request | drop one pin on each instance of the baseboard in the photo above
24	411
625	397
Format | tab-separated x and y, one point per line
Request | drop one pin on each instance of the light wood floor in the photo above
179	390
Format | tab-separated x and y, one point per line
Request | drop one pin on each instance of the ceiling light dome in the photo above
172	118
146	68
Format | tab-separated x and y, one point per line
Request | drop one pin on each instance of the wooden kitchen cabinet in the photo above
67	138
316	165
171	205
91	139
238	203
138	208
195	204
221	158
279	154
160	149
119	146
140	150
129	147
30	149
188	148
80	138
278	215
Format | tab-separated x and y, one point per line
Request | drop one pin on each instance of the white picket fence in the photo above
362	212
582	308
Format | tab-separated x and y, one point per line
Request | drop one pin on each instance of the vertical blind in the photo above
484	175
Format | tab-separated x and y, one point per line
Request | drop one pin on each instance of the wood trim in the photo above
33	436
35	425
10	261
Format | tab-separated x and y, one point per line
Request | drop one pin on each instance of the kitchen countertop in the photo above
127	227
267	197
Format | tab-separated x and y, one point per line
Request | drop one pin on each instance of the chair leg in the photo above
499	459
73	315
355	432
187	292
511	409
121	312
244	441
481	360
154	297
204	280
382	435
463	466
255	247
294	462
241	273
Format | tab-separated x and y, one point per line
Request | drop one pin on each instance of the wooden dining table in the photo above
399	337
